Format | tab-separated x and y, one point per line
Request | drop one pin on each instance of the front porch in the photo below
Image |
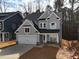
48	38
7	44
6	36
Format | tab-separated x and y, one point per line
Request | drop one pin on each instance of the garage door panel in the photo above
27	39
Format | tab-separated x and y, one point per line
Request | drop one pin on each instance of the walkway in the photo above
14	52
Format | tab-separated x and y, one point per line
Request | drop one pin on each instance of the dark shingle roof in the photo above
5	15
34	16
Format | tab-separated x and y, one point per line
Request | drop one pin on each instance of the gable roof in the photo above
59	14
5	15
52	14
30	22
12	21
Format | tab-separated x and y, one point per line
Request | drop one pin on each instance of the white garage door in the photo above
27	39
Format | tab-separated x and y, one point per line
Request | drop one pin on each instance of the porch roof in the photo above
48	30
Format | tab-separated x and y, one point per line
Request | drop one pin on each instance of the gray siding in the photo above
32	30
51	19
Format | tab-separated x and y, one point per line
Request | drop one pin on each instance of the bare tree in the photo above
72	3
58	4
48	1
3	6
38	2
23	6
29	7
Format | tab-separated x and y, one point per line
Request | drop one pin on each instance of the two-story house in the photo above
9	22
40	28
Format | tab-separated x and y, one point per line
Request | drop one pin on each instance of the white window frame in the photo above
24	29
53	26
41	25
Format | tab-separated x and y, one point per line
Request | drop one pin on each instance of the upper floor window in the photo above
44	25
52	23
41	25
26	29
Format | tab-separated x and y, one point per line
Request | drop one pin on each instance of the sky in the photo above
13	5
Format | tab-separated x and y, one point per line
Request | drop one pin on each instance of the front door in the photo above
1	37
42	39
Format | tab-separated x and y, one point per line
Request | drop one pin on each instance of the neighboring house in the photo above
39	28
9	22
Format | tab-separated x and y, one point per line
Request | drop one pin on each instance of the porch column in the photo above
7	38
38	38
3	39
57	38
45	38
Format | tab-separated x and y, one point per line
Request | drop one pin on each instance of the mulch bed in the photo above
40	53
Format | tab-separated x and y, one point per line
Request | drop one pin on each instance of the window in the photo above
41	25
0	25
26	29
57	18
44	25
52	23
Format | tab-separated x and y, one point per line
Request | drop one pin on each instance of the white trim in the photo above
57	38
55	15
20	26
45	41
32	25
3	40
24	23
24	29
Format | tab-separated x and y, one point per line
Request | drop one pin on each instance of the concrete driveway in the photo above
14	52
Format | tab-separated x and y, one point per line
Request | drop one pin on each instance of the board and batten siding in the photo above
52	18
32	30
